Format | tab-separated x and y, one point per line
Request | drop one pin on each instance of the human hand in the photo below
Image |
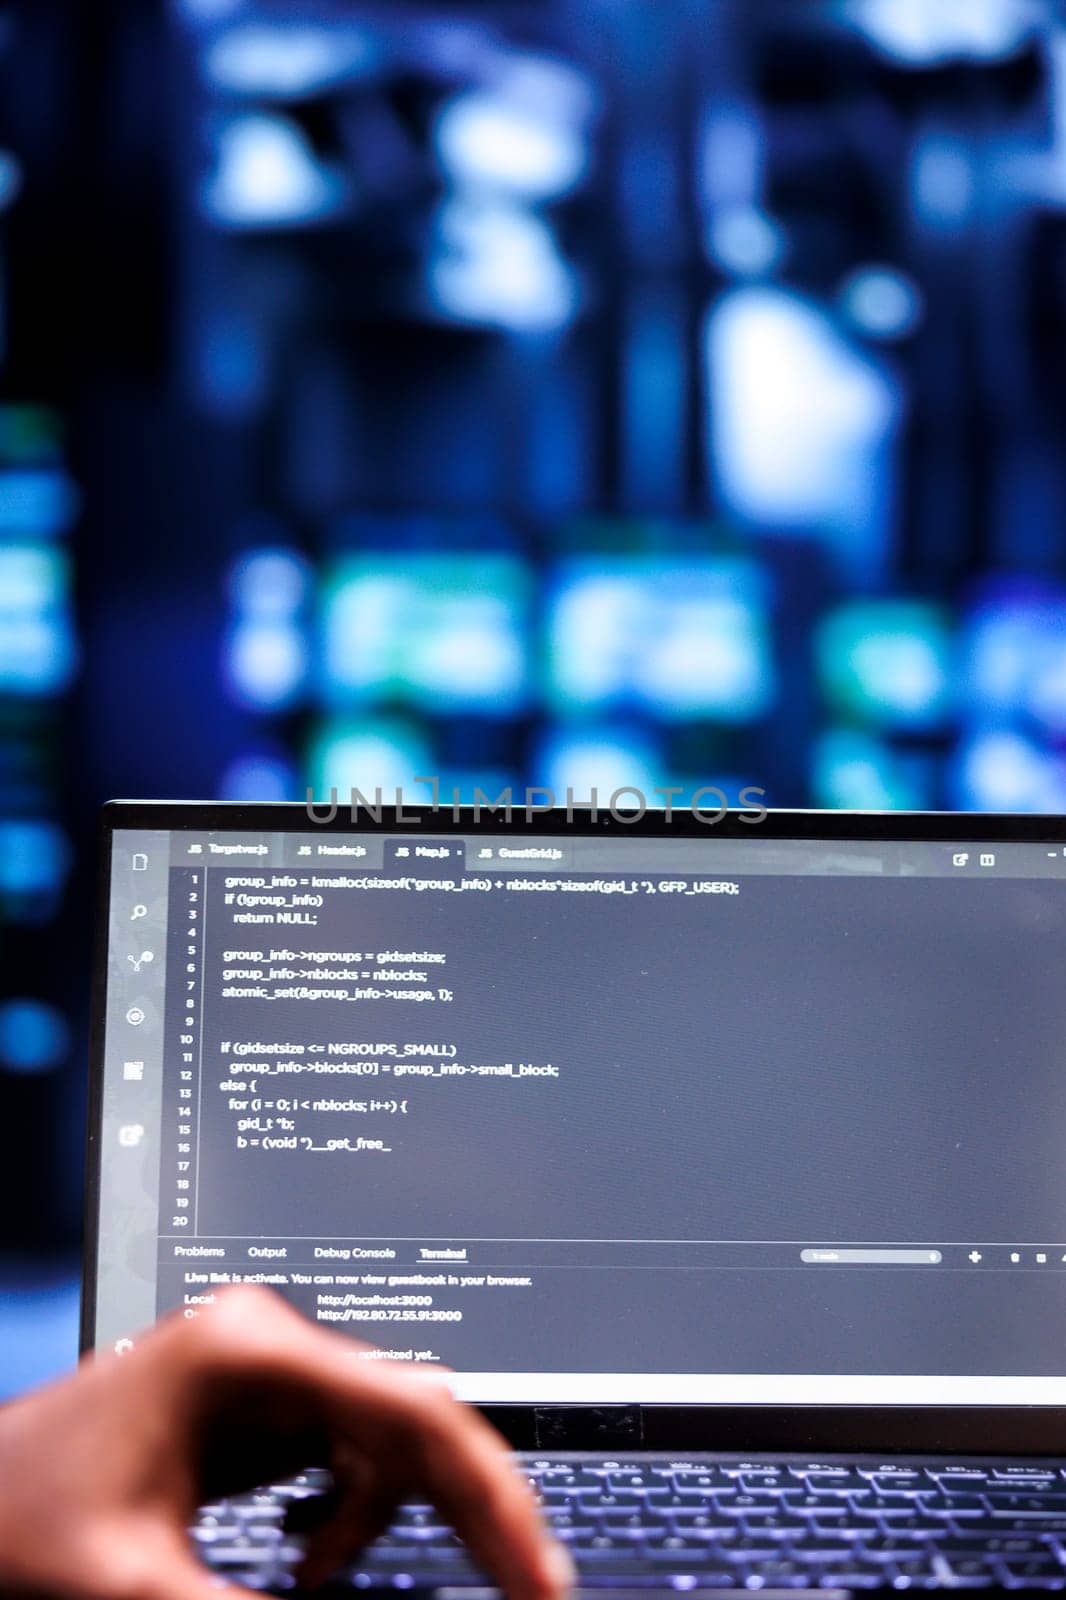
100	1474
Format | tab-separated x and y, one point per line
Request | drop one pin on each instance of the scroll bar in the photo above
871	1258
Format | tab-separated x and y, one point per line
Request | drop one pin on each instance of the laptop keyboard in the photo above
711	1522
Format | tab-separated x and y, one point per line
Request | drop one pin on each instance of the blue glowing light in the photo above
232	362
209	10
943	181
927	33
680	639
267	175
369	753
494	264
887	662
38	655
39	1327
39	502
524	131
881	302
801	421
260	778
437	631
745	242
10	179
34	1037
269	584
490	141
1002	770
32	580
1016	657
266	662
34	858
603	757
287	61
856	771
732	157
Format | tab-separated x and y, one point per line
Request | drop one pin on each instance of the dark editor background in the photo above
567	392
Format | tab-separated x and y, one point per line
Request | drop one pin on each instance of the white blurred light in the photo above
32	580
849	772
269	583
854	771
712	660
596	624
799	417
498	265
1003	771
267	662
488	141
435	630
903	671
267	174
923	33
285	62
38	654
476	659
681	641
603	759
882	302
745	241
362	625
553	88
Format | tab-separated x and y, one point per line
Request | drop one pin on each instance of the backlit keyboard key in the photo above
1034	1572
953	1505
1027	1502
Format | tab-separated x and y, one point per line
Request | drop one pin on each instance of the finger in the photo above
465	1469
444	1449
365	1502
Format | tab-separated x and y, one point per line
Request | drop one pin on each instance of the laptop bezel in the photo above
978	1430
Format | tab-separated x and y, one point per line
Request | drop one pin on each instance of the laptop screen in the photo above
599	1119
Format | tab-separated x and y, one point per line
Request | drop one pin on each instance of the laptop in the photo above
720	1158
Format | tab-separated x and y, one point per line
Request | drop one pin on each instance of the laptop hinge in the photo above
588	1427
